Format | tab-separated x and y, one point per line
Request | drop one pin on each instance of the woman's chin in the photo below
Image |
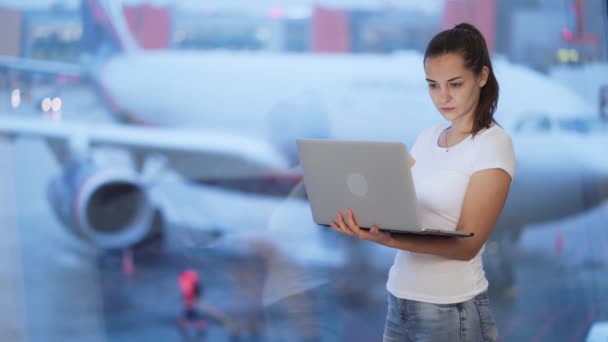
451	115
448	116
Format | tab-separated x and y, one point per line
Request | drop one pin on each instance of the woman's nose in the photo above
445	96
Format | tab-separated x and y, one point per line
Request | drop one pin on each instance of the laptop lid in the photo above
371	177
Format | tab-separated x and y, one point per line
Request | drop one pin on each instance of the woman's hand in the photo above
349	226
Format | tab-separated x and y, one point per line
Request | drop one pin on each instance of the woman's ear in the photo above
483	77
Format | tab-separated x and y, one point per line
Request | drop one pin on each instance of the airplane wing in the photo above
196	155
40	66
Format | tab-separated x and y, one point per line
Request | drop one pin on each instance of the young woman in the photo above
462	173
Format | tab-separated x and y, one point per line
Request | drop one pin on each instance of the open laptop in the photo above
372	178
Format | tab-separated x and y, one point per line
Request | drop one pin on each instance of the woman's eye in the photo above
432	85
456	85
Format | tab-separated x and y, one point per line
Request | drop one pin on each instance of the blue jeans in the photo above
409	320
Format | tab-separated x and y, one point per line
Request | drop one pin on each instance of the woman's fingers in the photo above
350	224
351	219
347	224
342	223
338	226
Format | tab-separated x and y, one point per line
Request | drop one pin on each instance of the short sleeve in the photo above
495	152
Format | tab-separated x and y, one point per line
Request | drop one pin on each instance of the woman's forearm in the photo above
447	247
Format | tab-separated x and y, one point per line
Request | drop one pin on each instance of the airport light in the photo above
568	55
46	104
16	98
56	104
567	34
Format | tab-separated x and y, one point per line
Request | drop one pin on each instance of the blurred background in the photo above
150	180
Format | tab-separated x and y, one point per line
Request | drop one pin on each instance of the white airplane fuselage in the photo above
280	97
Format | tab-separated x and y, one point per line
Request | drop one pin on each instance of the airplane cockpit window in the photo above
534	124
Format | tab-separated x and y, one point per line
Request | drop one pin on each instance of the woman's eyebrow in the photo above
450	80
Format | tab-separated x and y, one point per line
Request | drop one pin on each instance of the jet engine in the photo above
107	206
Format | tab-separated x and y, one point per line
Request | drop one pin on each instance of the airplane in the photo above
231	119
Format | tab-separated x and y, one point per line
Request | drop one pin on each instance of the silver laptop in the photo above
372	178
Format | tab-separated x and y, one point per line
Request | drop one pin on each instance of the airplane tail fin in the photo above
105	30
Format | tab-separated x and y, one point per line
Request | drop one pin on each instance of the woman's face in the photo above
454	89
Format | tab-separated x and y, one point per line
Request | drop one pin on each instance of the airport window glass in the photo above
151	181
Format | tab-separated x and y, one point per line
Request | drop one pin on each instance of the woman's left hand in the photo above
347	224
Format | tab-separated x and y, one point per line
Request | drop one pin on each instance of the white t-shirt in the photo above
441	178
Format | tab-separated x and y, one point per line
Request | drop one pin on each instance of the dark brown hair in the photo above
466	40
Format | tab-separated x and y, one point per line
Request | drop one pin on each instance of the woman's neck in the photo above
462	127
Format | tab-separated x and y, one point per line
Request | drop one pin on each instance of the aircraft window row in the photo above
534	124
577	125
584	125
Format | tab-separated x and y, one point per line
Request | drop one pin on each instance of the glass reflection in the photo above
234	84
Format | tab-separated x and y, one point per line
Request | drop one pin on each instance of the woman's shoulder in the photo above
494	138
494	149
494	132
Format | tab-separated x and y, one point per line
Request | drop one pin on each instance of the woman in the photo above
462	173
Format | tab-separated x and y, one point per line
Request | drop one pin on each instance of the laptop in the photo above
373	178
